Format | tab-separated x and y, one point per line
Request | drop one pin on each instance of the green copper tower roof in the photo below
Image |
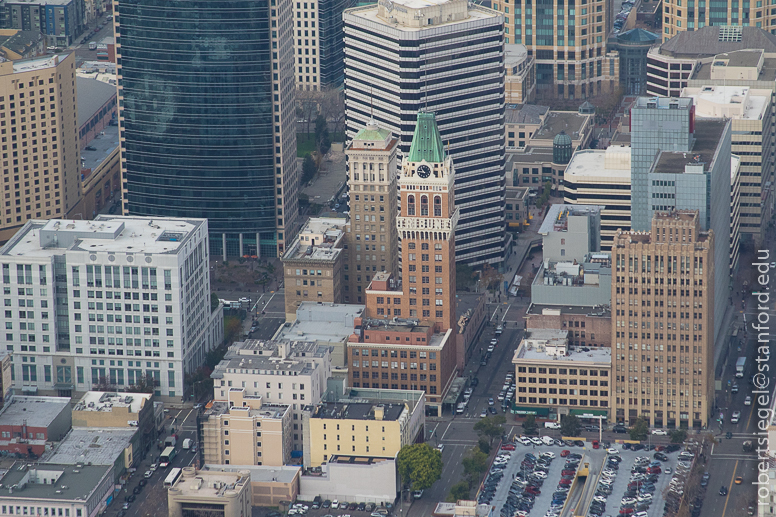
372	132
426	141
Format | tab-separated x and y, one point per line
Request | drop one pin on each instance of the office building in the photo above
118	448
570	232
259	367
39	485
520	86
683	162
633	46
665	373
318	45
6	381
588	325
752	114
221	146
117	301
364	423
28	422
568	43
242	429
313	264
735	211
111	409
427	39
270	486
372	172
602	177
554	378
210	492
369	479
516	206
730	17
35	186
671	66
61	21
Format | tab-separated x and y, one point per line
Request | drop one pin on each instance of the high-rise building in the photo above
663	324
42	182
454	52
118	301
318	44
730	16
372	236
568	42
680	162
207	119
61	21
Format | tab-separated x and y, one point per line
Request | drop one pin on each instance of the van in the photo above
551	425
547	440
187	444
460	408
92	45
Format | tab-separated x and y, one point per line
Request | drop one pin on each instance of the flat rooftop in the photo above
38	63
276	350
702	71
273	411
530	155
358	460
92	95
80	481
318	240
321	322
105	401
356	411
516	192
524	113
102	146
475	13
753	106
37	411
569	121
558	212
260	473
212	484
580	310
707	135
263	365
92	445
600	355
435	339
105	234
589	165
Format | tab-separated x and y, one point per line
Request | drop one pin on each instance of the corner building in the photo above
663	325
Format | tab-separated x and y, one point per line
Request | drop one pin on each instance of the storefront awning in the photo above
537	411
587	413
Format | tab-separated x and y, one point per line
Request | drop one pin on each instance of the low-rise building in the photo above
369	479
55	489
364	422
587	325
27	423
570	232
587	282
292	373
61	21
269	485
244	431
463	509
112	409
313	264
119	448
554	378
200	492
520	85
516	205
18	44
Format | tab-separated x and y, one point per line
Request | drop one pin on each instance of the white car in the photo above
735	417
612	450
548	454
628	500
148	474
536	441
748	401
441	447
335	504
525	440
484	413
540	474
660	432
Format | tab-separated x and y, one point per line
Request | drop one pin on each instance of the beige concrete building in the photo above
372	239
263	368
314	263
729	16
364	423
269	485
41	153
205	492
369	479
516	205
520	85
107	409
569	45
245	431
663	362
587	325
554	378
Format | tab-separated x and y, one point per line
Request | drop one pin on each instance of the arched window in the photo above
410	205
437	206
423	205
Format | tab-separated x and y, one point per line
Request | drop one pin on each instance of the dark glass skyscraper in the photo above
198	130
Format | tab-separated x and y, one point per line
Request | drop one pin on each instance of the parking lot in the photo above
520	490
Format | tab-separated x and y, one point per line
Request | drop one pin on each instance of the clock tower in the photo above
426	227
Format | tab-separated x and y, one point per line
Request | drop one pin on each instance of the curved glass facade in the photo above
195	97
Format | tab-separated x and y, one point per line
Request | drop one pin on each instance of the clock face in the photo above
424	171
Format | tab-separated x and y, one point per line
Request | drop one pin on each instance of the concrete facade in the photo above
228	493
587	325
520	86
352	478
27	423
269	485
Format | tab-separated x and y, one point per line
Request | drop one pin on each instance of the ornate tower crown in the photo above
426	160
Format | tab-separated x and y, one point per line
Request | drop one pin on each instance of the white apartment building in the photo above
111	300
445	57
288	372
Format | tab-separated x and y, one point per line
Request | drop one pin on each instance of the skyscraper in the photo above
206	113
318	43
446	57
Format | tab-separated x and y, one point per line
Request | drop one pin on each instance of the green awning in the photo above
538	411
589	412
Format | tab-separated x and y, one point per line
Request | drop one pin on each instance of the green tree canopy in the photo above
529	426
474	465
464	275
308	168
678	435
639	430
490	428
419	465
569	425
459	491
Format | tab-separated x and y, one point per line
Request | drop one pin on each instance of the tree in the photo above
308	168
678	435
419	465
332	107
322	140
529	426
104	384
459	491
144	384
491	278
490	428
474	465
232	328
569	425
464	275
639	430
483	445
307	106
214	301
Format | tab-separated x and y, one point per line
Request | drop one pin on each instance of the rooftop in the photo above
586	310
92	96
525	113
105	234
208	483
106	401
321	322
702	71
712	40
426	140
271	361
514	54
516	192
260	473
34	64
557	216
569	121
353	410
267	410
51	481
91	445
707	135
102	146
738	102
36	411
530	154
551	345
318	240
611	165
435	339
369	13
662	103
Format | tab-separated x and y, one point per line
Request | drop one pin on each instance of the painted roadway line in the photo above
727	497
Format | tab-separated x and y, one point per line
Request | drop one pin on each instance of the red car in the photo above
654	470
532	490
508	447
596	445
568	472
659	448
565	482
626	511
564	453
